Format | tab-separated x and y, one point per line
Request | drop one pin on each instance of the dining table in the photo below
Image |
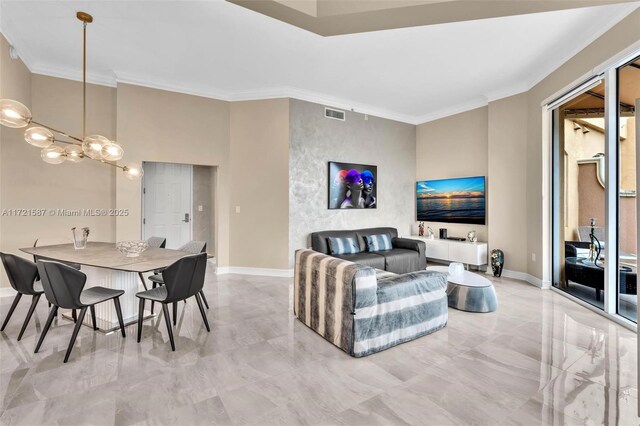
105	266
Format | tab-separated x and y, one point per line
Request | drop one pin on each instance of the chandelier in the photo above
95	147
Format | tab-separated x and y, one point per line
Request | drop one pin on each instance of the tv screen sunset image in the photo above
460	200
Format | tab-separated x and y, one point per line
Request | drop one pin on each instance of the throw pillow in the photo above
378	242
343	245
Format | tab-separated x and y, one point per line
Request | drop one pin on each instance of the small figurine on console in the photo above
430	233
421	229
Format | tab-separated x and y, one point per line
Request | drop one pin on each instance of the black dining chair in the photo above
51	241
22	274
153	242
64	288
182	279
193	247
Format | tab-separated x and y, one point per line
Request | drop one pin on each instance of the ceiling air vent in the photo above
334	114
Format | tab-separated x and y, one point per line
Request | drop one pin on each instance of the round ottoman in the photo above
468	291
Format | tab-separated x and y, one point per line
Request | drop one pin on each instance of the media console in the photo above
474	254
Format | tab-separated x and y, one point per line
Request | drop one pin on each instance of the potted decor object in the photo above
497	262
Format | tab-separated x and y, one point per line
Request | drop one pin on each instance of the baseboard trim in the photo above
267	272
523	276
7	292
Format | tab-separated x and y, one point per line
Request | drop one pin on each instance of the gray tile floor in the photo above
540	359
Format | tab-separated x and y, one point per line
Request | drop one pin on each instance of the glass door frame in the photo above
609	74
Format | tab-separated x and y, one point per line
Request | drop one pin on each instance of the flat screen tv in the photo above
460	200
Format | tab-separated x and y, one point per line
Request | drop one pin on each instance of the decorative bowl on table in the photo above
132	248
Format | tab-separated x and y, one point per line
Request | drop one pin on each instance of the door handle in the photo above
186	218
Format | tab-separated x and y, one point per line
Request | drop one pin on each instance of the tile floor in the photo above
540	359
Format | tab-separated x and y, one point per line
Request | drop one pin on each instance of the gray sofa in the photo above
407	255
359	311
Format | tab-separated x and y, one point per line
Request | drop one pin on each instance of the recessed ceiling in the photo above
338	17
221	50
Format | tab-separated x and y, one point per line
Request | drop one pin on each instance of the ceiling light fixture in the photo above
95	147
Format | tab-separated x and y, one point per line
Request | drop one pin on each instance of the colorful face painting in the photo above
352	186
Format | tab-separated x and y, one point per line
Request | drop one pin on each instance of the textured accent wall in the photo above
315	140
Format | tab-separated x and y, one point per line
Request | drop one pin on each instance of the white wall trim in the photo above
522	276
266	272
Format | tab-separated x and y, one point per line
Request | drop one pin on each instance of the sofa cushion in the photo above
399	260
366	259
319	239
362	233
378	242
346	245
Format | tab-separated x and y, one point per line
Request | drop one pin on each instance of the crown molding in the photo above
72	74
563	56
269	93
558	59
452	110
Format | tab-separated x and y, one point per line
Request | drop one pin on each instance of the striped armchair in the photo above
350	307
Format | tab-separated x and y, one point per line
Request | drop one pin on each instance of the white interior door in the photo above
166	205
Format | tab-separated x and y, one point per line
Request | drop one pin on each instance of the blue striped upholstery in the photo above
378	242
350	307
343	245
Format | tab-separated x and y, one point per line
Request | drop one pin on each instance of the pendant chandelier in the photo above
95	147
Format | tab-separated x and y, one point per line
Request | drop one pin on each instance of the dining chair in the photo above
193	247
153	242
157	242
182	279
51	241
22	274
64	288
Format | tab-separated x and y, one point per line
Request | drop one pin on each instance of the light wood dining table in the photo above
105	266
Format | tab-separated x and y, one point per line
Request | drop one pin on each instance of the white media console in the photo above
474	254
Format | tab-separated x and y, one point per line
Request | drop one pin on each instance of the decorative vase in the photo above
472	237
80	237
456	269
497	262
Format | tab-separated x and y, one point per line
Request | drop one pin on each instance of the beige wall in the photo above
454	146
507	180
259	184
203	221
28	182
15	83
617	39
519	143
488	141
161	126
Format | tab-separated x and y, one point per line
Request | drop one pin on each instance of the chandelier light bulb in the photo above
112	152
14	114
95	147
53	154
38	136
93	144
74	153
133	171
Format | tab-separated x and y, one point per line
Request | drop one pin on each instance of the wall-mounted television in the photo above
459	200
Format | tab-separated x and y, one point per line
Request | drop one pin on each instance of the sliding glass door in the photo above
628	89
594	191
